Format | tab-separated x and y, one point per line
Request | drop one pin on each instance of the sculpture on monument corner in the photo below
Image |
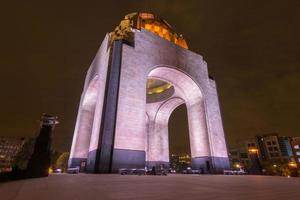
142	71
39	162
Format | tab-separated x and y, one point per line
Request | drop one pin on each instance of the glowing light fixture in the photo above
237	165
253	150
155	86
292	165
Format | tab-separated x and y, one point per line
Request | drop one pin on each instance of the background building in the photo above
268	153
295	144
9	148
239	158
274	148
180	162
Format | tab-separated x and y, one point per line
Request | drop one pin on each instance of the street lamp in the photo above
238	165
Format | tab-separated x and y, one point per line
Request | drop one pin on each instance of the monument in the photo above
141	73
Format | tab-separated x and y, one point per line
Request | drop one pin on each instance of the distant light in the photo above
274	165
253	150
237	165
292	165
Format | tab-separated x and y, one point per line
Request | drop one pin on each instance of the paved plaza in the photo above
202	187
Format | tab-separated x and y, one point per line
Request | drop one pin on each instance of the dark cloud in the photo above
252	49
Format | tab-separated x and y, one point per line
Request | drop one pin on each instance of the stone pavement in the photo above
200	187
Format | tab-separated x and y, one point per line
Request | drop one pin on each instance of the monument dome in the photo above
150	22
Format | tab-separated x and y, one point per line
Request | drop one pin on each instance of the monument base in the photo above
208	164
129	159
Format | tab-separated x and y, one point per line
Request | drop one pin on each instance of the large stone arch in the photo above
185	91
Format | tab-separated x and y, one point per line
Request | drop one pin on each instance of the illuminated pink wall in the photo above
86	131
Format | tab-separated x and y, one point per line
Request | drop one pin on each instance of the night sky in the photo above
252	48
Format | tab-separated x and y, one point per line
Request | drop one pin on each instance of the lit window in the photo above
296	146
298	153
156	29
146	16
164	31
167	37
148	26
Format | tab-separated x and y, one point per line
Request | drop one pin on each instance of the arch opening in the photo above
188	93
179	142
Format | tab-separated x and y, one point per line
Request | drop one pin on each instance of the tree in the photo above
54	156
278	169
62	161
